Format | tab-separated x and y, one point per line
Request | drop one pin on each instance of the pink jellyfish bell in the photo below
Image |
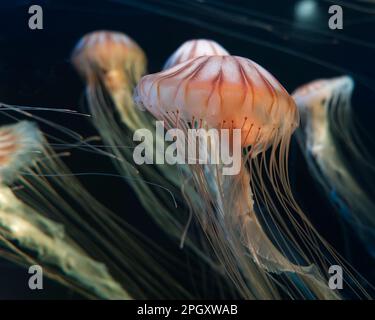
193	49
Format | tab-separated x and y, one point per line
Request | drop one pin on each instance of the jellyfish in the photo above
95	61
90	248
193	49
334	149
116	62
236	94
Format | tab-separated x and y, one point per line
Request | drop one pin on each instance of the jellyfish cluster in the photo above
245	230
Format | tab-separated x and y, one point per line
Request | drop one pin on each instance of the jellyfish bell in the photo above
218	91
19	145
111	59
193	49
324	106
228	92
110	53
307	92
314	100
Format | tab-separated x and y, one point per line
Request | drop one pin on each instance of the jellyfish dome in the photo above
317	101
110	53
319	92
193	49
111	63
20	144
223	92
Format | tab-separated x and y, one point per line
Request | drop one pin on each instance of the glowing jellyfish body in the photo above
90	57
96	60
328	128
226	92
114	60
193	49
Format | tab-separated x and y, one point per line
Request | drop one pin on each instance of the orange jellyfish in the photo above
111	64
114	60
236	95
107	61
193	49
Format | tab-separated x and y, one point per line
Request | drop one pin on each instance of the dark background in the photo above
35	71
